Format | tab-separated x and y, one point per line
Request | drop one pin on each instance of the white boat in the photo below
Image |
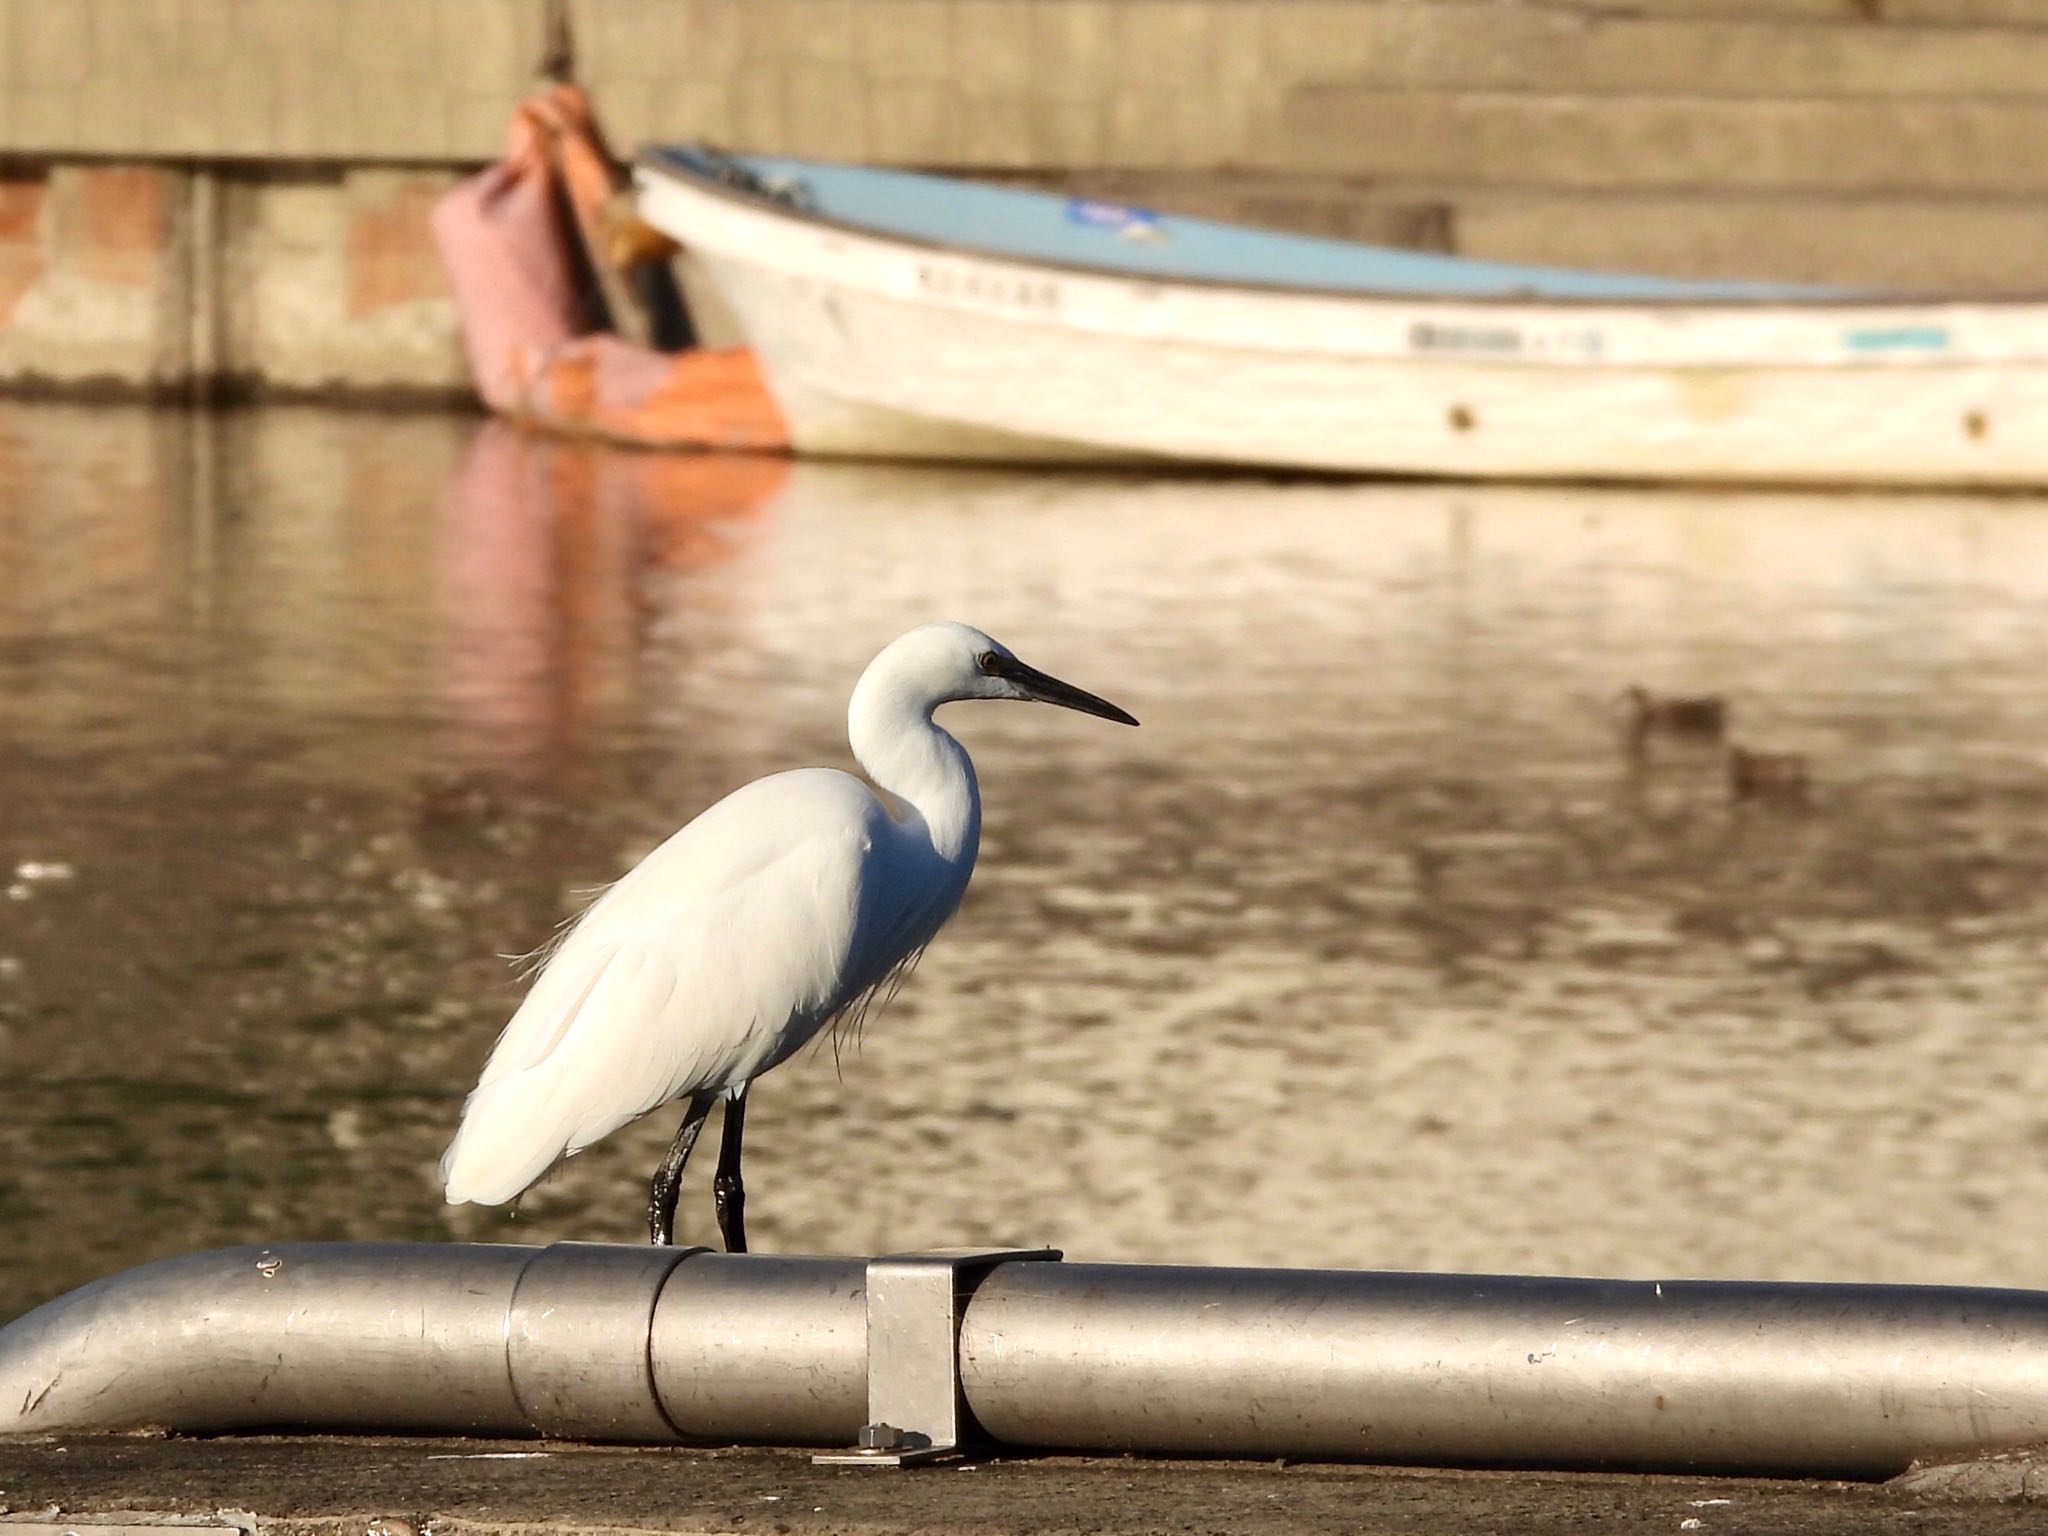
909	316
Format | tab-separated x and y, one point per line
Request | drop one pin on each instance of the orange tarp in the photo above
509	237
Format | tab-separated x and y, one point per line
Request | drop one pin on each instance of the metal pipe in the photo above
763	1349
610	1342
1462	1370
344	1336
633	1344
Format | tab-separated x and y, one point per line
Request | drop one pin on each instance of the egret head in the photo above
943	662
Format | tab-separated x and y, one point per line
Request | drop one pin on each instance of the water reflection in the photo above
570	581
1373	947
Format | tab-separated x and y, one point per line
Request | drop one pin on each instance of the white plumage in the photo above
778	910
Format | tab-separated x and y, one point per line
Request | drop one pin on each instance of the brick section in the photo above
21	248
336	283
113	226
321	283
391	258
87	269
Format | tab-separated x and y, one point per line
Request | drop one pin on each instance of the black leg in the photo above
668	1178
728	1190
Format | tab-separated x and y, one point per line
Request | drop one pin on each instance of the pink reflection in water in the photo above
559	566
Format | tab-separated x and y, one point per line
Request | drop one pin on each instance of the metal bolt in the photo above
881	1437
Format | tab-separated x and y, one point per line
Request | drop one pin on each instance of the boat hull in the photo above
876	345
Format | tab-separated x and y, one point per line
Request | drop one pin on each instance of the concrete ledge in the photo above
330	1487
1554	50
2015	13
1924	244
987	83
1665	142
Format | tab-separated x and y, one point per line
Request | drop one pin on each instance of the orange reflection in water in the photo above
559	562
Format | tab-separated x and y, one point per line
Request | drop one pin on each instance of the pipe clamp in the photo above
576	1341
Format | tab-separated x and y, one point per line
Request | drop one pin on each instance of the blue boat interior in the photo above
1115	237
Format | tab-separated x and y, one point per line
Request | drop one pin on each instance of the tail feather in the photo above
505	1142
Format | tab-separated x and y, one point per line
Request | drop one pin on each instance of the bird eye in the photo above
986	661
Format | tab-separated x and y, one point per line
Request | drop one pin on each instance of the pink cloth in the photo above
506	236
501	236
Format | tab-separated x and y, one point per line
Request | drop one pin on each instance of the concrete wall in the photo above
239	185
140	277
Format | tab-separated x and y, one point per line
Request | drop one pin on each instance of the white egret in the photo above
783	908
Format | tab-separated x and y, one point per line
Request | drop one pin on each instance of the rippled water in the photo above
1372	948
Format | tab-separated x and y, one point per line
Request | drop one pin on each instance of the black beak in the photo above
1050	690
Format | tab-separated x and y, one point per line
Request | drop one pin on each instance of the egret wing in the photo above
713	959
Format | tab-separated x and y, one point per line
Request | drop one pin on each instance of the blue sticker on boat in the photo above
1897	338
1119	218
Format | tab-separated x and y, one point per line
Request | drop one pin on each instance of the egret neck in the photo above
908	754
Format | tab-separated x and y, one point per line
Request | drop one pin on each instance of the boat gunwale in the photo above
647	159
